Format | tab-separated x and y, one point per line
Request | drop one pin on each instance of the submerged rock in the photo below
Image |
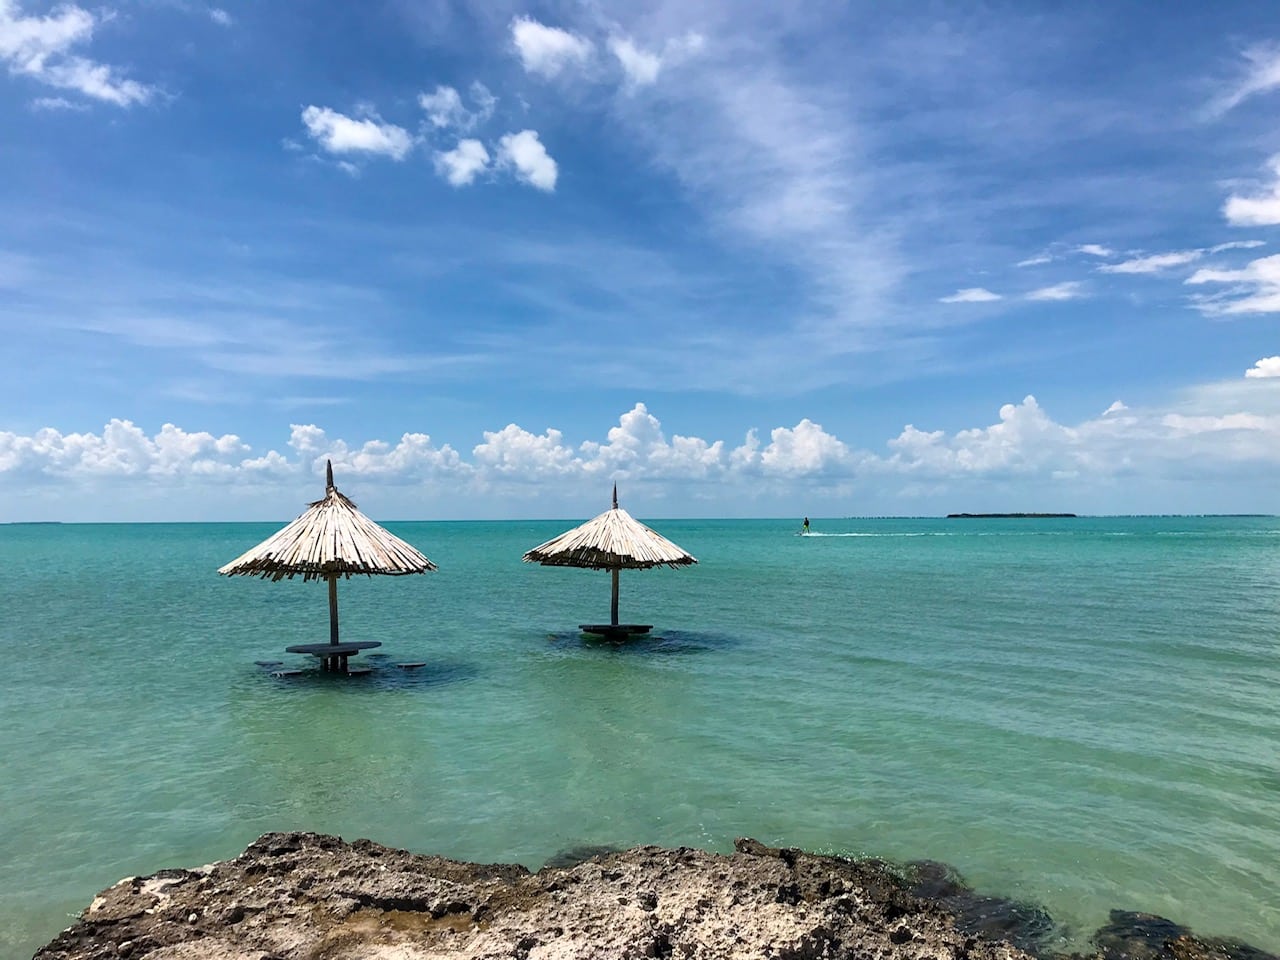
1144	936
1027	926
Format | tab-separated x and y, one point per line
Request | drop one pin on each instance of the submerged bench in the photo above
617	632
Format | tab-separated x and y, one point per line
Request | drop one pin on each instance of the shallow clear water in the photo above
1084	713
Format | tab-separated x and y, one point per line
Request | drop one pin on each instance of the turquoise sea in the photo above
1080	712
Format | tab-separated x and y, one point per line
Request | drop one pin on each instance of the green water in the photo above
1084	713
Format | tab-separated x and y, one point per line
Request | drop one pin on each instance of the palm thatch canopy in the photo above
613	541
331	538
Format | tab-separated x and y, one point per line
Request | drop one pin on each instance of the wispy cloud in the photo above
221	17
1035	261
1260	74
58	103
971	295
1260	210
1153	263
1255	288
1095	250
340	134
40	48
445	110
1068	290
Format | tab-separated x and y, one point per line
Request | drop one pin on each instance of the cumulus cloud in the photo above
524	153
640	66
515	452
461	165
971	295
121	450
1260	210
1068	290
548	50
40	48
339	134
1265	368
1153	263
445	110
1208	430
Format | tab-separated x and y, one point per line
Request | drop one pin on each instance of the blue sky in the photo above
826	259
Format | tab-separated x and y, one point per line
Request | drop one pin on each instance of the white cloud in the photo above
640	66
1068	290
220	17
971	295
1208	432
515	452
340	134
445	109
461	165
1094	250
638	448
1035	261
1255	288
39	47
56	103
121	450
548	50
1261	74
1238	245
1153	263
443	106
1262	210
1265	368
525	153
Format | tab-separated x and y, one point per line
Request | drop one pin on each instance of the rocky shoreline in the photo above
304	896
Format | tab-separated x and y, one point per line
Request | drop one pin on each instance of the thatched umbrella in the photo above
331	539
613	541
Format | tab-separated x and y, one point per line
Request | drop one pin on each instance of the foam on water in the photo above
1083	713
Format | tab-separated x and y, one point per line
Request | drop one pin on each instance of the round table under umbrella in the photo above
613	541
330	539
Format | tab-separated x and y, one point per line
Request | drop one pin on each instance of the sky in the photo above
742	259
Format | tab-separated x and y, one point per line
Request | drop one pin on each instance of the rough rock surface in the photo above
303	896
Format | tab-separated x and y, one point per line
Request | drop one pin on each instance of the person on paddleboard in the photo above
805	527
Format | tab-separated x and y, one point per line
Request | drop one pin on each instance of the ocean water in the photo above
1084	713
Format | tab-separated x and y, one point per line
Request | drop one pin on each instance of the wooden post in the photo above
333	607
613	607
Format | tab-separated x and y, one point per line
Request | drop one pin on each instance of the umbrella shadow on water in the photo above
380	674
666	643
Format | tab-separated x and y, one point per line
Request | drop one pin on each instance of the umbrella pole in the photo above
613	607
333	618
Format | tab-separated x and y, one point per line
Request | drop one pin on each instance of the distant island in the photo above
1006	516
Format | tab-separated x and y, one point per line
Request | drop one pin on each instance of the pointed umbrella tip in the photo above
328	474
615	495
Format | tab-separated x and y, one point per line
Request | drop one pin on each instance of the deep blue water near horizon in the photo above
1081	712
